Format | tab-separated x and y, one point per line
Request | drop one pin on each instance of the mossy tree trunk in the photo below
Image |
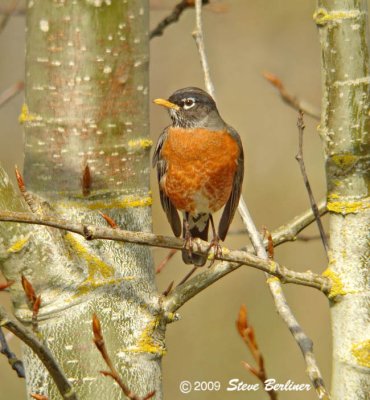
86	150
345	127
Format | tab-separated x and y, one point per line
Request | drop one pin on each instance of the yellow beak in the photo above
166	103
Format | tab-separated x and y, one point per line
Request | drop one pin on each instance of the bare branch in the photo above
291	99
299	158
100	345
173	17
164	262
199	40
65	389
283	234
11	10
9	93
246	331
15	363
198	246
303	341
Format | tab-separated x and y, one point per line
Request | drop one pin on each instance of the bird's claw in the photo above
217	249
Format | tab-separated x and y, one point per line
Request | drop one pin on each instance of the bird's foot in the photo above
188	245
217	249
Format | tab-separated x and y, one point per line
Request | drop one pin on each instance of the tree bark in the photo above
345	127
87	149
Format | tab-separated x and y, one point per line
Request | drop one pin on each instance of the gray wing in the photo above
232	203
168	207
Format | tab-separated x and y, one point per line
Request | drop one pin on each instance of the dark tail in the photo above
198	229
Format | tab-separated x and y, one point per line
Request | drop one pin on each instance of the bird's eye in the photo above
188	103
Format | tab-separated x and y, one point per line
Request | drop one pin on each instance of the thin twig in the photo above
187	276
303	341
173	17
199	40
246	331
274	284
15	363
10	10
290	99
6	18
165	261
113	373
91	232
65	389
9	93
299	158
283	234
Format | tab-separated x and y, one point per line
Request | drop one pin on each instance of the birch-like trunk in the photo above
345	127
86	108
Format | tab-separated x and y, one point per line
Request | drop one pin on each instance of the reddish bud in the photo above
20	180
36	305
86	181
98	336
273	79
39	396
242	323
109	220
28	289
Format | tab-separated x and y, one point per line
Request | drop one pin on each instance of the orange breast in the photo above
201	168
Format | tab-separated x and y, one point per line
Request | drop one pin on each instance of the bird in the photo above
200	169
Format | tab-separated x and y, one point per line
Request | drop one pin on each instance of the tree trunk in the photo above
343	28
87	150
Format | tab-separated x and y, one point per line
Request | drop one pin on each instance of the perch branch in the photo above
44	354
15	363
299	158
90	232
285	233
291	100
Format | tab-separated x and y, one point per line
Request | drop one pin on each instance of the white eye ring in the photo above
189	103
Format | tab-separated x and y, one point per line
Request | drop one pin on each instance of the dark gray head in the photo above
192	107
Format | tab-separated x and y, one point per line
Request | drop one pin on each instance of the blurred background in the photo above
243	39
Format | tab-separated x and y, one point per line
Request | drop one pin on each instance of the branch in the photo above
199	40
246	331
44	354
299	158
290	99
15	363
91	232
303	341
173	17
275	285
9	93
283	234
113	373
11	10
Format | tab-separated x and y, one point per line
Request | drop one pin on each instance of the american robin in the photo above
200	168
